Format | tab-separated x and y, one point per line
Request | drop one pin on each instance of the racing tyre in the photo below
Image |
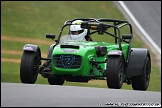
29	66
142	82
56	80
115	72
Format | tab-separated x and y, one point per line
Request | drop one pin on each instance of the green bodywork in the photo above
87	52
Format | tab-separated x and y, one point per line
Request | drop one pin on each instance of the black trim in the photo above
69	46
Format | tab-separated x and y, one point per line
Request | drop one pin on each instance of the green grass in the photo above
33	19
15	56
17	46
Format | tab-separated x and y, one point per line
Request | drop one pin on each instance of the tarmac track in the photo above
148	14
37	95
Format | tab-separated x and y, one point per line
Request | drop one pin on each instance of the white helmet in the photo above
76	32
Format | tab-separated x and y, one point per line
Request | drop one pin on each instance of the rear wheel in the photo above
142	82
29	66
115	72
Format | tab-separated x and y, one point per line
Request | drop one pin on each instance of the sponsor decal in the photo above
113	52
28	48
69	50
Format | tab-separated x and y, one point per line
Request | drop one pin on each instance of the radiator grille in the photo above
67	61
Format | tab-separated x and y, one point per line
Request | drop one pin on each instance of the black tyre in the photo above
29	66
115	72
56	80
142	82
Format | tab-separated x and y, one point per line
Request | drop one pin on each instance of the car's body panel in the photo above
86	51
32	47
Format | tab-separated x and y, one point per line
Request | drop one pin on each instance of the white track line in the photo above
139	26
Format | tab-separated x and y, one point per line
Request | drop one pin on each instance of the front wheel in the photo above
29	66
115	72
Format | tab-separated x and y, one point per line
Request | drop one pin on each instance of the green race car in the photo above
112	58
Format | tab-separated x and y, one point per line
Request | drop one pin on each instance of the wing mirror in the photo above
51	36
126	36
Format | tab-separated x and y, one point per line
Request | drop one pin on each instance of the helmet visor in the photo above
76	32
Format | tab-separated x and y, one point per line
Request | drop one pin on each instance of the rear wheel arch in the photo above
139	68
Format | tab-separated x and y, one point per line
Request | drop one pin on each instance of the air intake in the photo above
69	46
67	61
